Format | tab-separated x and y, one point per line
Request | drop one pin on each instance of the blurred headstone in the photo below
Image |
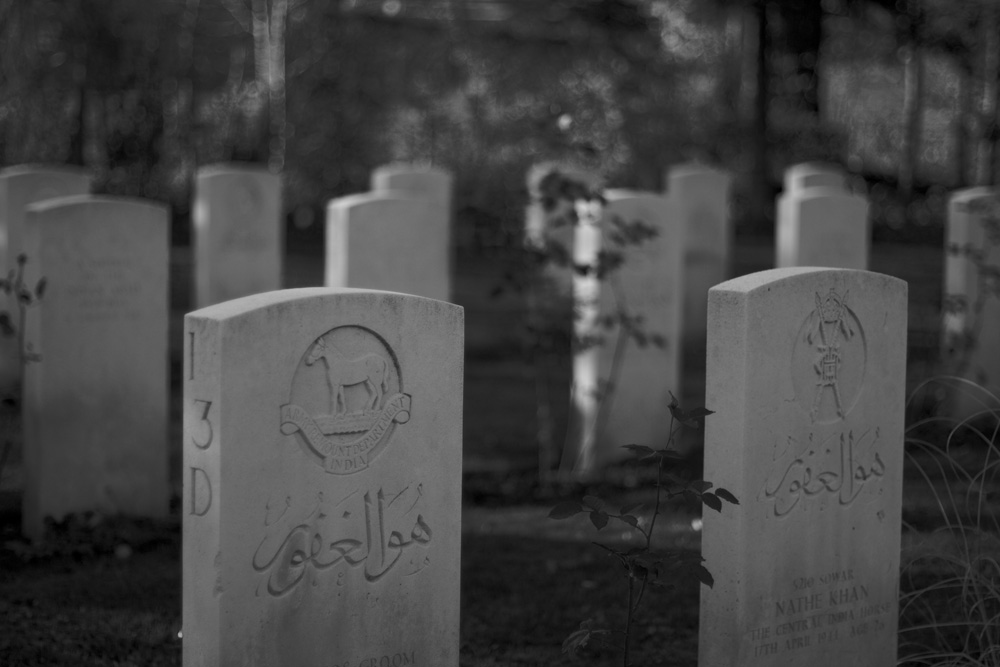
95	405
807	378
823	226
387	241
238	232
424	181
700	196
972	313
624	399
21	186
323	480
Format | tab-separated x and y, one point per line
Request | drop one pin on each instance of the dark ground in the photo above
109	594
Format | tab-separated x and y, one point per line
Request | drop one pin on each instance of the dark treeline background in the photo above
903	92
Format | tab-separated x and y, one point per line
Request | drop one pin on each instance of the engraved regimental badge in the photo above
346	399
828	363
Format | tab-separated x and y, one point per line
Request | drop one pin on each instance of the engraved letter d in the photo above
201	492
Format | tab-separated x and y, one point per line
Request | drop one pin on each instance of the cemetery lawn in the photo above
107	592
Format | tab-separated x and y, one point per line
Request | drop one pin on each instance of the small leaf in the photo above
575	641
40	287
630	520
565	510
700	413
593	502
712	501
599	519
700	485
727	496
704	576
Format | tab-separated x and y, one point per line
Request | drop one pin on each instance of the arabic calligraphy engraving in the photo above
813	473
394	533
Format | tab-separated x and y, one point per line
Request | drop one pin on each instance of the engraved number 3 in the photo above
207	442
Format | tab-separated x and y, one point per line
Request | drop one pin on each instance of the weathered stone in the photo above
322	472
807	378
95	406
238	232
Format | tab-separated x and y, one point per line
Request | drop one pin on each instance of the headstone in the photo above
21	186
635	390
95	405
238	232
28	184
807	377
421	181
701	197
387	241
424	181
823	227
806	175
968	341
323	465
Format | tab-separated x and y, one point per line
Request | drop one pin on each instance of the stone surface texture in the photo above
823	227
238	232
807	377
387	241
95	406
701	197
322	471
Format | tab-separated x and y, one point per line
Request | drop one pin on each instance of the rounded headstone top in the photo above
362	198
42	169
969	194
95	200
235	168
766	279
814	174
236	308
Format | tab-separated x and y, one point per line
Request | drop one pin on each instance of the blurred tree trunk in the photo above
804	38
913	95
761	199
990	59
961	127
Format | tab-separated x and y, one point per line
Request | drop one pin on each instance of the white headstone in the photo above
21	186
238	232
388	241
424	181
649	284
95	406
977	358
807	378
701	197
823	227
806	175
28	184
322	472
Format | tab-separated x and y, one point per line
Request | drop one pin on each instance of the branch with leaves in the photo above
645	565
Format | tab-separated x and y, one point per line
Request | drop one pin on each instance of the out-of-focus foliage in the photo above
143	92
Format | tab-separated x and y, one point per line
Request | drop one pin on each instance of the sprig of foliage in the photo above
644	565
15	284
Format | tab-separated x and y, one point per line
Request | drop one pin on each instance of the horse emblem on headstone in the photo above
355	391
370	370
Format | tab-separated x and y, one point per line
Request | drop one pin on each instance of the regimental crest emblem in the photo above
346	399
829	359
